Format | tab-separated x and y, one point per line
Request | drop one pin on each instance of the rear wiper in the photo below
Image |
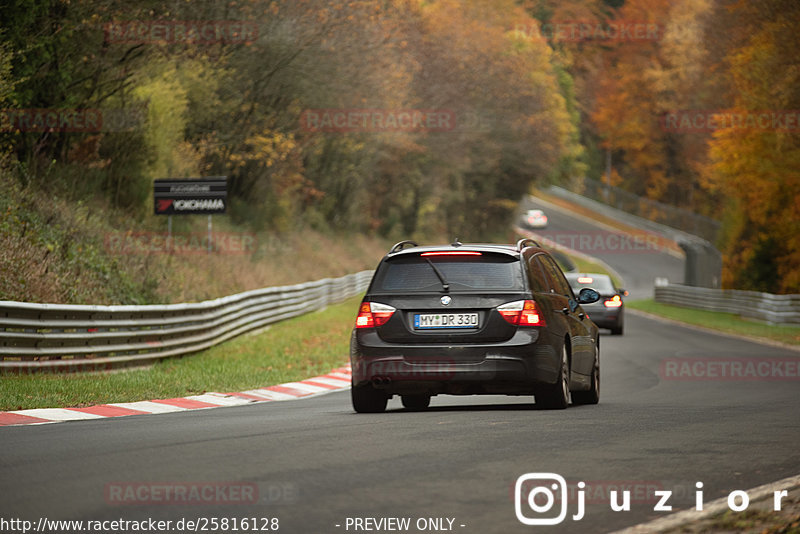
445	285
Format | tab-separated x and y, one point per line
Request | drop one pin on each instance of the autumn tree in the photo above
513	123
756	166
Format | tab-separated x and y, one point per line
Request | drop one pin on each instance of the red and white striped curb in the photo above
337	379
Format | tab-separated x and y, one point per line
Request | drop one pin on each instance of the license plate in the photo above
423	321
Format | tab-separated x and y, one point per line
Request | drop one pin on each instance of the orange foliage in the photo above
758	169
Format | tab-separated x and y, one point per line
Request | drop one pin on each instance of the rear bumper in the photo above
516	366
607	317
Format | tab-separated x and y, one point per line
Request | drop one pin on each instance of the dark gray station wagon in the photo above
473	319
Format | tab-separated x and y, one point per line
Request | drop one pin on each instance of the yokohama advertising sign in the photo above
195	196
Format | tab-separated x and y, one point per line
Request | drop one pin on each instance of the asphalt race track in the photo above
317	466
639	263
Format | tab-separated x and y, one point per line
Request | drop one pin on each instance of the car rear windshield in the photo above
601	284
414	273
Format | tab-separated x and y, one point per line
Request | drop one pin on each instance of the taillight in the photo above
372	314
614	302
521	313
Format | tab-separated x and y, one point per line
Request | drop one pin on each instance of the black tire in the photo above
367	399
556	396
617	330
416	402
592	396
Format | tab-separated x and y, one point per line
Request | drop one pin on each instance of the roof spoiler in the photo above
402	244
527	242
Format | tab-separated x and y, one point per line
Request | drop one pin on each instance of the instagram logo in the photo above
543	490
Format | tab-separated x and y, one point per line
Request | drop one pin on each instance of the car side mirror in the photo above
588	295
624	292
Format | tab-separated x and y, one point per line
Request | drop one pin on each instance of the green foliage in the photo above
7	81
44	251
167	105
572	163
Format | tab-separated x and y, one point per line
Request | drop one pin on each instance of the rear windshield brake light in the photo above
451	253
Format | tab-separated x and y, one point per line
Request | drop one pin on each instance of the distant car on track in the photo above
473	319
535	219
609	311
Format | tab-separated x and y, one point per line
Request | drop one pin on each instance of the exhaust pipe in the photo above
378	381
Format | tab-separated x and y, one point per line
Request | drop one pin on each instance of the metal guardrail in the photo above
777	309
672	216
703	264
65	337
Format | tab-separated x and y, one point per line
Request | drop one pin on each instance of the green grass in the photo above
295	349
724	322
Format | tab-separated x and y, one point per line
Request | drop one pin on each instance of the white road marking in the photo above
336	382
221	400
343	376
268	394
306	388
58	414
149	407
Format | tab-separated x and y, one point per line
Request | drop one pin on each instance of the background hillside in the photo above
298	102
